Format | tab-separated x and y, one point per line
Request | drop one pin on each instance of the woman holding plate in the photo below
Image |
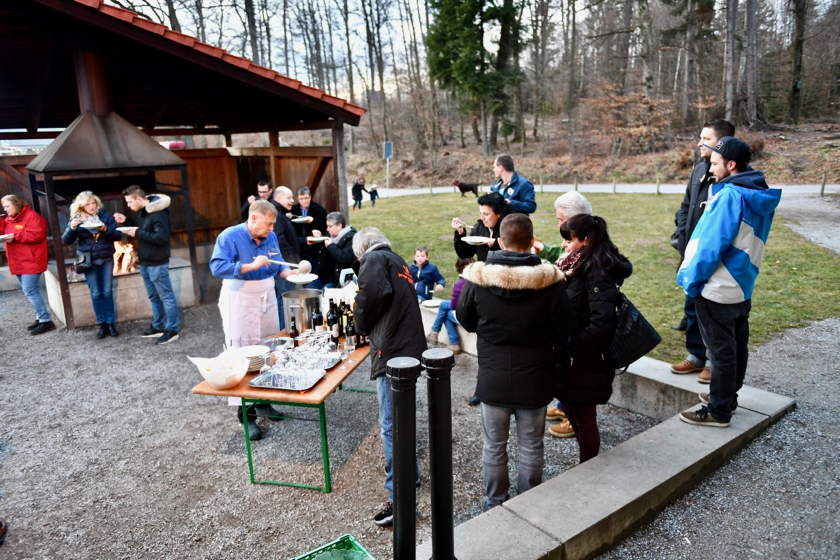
95	230
492	208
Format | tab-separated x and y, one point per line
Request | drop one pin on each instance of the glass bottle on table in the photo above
317	318
293	330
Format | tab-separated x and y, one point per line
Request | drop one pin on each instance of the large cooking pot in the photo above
300	304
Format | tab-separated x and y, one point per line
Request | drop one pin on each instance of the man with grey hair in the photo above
388	313
338	251
283	200
308	216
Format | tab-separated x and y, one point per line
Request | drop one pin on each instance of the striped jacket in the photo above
726	248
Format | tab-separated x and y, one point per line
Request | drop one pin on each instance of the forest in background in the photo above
556	81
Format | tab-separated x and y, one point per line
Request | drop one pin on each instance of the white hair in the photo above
366	238
573	203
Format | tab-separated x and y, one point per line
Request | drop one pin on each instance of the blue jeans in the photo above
726	332
446	316
383	395
99	280
160	292
530	429
30	284
693	339
357	201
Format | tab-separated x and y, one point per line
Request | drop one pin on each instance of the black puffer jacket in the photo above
522	316
319	222
587	373
286	237
387	309
466	251
693	203
153	230
336	257
103	249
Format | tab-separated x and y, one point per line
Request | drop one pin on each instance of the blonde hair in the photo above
81	200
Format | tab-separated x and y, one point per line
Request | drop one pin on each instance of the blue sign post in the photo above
388	152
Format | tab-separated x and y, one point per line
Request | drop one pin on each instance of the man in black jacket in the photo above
519	309
691	209
308	216
287	239
153	251
387	311
337	254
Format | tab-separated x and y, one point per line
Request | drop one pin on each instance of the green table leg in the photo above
325	450
244	409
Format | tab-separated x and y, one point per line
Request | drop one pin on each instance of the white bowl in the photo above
224	371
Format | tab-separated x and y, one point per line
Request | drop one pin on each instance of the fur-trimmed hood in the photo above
157	203
513	271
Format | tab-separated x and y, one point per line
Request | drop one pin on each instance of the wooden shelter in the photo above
63	58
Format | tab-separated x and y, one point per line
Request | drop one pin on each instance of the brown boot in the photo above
705	376
561	430
685	366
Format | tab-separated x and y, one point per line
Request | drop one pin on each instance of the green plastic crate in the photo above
333	551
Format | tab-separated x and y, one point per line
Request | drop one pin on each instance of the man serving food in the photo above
242	258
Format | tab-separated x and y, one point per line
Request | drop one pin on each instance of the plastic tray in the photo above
346	543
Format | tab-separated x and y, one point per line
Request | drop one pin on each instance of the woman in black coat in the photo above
587	372
492	209
95	230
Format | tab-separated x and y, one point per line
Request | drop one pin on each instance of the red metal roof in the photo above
215	52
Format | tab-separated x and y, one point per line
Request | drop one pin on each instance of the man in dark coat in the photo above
287	239
316	219
337	254
387	311
519	309
691	209
264	193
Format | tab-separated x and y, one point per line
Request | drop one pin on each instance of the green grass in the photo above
798	281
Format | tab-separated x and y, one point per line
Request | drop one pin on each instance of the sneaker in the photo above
562	430
43	327
385	517
554	413
685	366
151	332
456	348
167	337
702	417
704	398
33	326
432	337
705	376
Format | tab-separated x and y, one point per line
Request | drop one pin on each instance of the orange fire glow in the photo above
124	258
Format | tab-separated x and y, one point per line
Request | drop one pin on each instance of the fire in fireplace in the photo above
125	258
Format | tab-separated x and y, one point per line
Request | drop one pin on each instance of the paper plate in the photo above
92	227
300	220
255	351
124	229
431	303
302	278
476	239
317	239
7	236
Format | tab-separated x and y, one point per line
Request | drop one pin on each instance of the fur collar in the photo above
513	277
157	203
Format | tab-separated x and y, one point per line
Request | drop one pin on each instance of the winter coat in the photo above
357	189
319	222
336	257
387	309
456	292
587	373
693	203
726	249
27	254
153	230
467	251
519	309
428	273
520	192
287	239
103	249
620	271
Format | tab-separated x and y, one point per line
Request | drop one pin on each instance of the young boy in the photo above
427	277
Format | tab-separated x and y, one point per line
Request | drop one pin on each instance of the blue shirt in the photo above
235	247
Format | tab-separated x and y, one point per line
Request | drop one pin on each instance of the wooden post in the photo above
340	167
822	188
576	182
58	251
188	213
613	183
658	180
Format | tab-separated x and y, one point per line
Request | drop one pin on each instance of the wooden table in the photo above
311	398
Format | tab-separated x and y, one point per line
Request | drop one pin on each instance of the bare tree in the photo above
729	61
800	11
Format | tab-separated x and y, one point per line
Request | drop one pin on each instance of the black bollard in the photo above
403	374
438	364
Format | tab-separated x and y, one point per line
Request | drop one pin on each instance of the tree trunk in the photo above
572	55
752	63
252	31
800	10
624	49
646	54
345	14
688	77
199	20
286	38
729	61
173	16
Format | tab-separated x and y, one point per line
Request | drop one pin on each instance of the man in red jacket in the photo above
25	234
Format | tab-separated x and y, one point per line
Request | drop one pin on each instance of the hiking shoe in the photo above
705	376
385	517
554	413
562	430
704	398
167	337
103	331
432	337
112	330
702	417
33	325
43	327
151	332
685	366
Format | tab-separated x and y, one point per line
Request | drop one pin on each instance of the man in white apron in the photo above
247	300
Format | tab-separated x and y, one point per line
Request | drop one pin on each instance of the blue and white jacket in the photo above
726	248
520	192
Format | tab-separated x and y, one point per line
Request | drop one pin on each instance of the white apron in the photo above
249	311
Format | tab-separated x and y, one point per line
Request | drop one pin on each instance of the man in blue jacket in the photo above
720	268
516	189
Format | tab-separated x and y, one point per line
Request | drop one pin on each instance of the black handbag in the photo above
84	262
634	335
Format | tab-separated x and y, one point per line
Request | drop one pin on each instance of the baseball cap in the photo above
732	148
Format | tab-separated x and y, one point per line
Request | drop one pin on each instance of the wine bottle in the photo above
317	318
350	331
331	316
293	331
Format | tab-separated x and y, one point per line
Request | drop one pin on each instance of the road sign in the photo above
388	149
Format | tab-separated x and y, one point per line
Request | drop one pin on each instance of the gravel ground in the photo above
780	496
104	452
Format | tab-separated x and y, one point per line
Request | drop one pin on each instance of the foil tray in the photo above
288	379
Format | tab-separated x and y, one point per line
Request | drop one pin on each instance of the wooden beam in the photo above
317	173
41	66
15	175
340	167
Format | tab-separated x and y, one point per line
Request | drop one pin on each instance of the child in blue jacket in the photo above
427	277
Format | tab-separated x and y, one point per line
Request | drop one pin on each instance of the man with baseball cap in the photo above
721	265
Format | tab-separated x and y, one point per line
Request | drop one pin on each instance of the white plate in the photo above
476	239
302	278
317	239
92	227
431	303
300	220
124	229
255	351
7	236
